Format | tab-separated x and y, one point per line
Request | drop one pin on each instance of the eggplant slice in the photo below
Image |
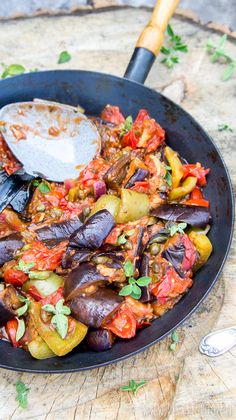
8	247
94	231
58	231
193	215
139	175
8	303
82	277
93	310
100	340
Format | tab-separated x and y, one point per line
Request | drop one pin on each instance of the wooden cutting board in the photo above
183	384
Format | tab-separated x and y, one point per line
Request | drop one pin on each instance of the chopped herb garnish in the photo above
218	53
175	340
224	127
133	386
133	287
174	44
168	176
126	126
22	394
20	329
121	239
44	188
176	228
59	319
25	267
35	183
23	309
64	57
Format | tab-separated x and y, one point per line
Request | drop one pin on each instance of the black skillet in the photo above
93	91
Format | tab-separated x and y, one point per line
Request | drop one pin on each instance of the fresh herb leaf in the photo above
13	70
64	57
143	281
22	394
224	127
23	309
25	267
133	289
126	126
173	346
44	188
133	386
126	290
20	329
176	228
175	340
218	53
129	268
59	319
35	183
121	239
168	176
174	44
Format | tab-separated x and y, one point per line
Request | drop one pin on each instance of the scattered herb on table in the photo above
219	54
224	127
22	394
175	341
12	70
64	57
59	319
133	386
133	287
173	47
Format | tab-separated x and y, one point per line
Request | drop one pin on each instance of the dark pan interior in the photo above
93	91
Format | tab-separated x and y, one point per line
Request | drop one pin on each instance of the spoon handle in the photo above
10	187
218	342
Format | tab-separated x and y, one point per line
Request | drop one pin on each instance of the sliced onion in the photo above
99	188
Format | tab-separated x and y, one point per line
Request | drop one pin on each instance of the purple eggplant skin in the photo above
8	302
94	231
139	175
22	198
8	247
93	310
193	215
175	255
117	172
58	231
73	257
100	340
144	272
83	276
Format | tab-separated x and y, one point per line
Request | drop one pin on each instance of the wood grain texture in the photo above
184	384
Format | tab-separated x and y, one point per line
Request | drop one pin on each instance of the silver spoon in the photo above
218	342
50	140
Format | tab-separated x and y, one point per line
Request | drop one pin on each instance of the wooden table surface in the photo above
183	384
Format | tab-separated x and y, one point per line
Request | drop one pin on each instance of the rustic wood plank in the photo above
184	384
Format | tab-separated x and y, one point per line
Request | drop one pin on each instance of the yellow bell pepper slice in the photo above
202	244
187	186
39	349
176	166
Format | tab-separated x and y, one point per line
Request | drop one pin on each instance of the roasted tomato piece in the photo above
196	170
123	323
43	257
11	330
171	285
196	199
13	276
112	114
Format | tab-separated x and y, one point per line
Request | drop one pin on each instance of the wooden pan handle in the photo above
152	36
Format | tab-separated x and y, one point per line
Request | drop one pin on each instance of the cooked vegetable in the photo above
39	349
123	323
196	216
81	278
107	202
8	247
144	271
94	231
181	253
187	186
73	257
100	340
93	310
58	345
9	302
22	198
45	287
203	246
139	175
60	230
133	206
116	174
176	166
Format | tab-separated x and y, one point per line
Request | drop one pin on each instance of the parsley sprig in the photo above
175	340
133	386
174	45
218	53
133	287
22	394
59	319
126	126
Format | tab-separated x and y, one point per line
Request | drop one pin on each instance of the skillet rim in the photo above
231	207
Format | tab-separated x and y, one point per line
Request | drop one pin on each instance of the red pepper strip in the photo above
34	293
53	298
197	171
11	329
196	199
